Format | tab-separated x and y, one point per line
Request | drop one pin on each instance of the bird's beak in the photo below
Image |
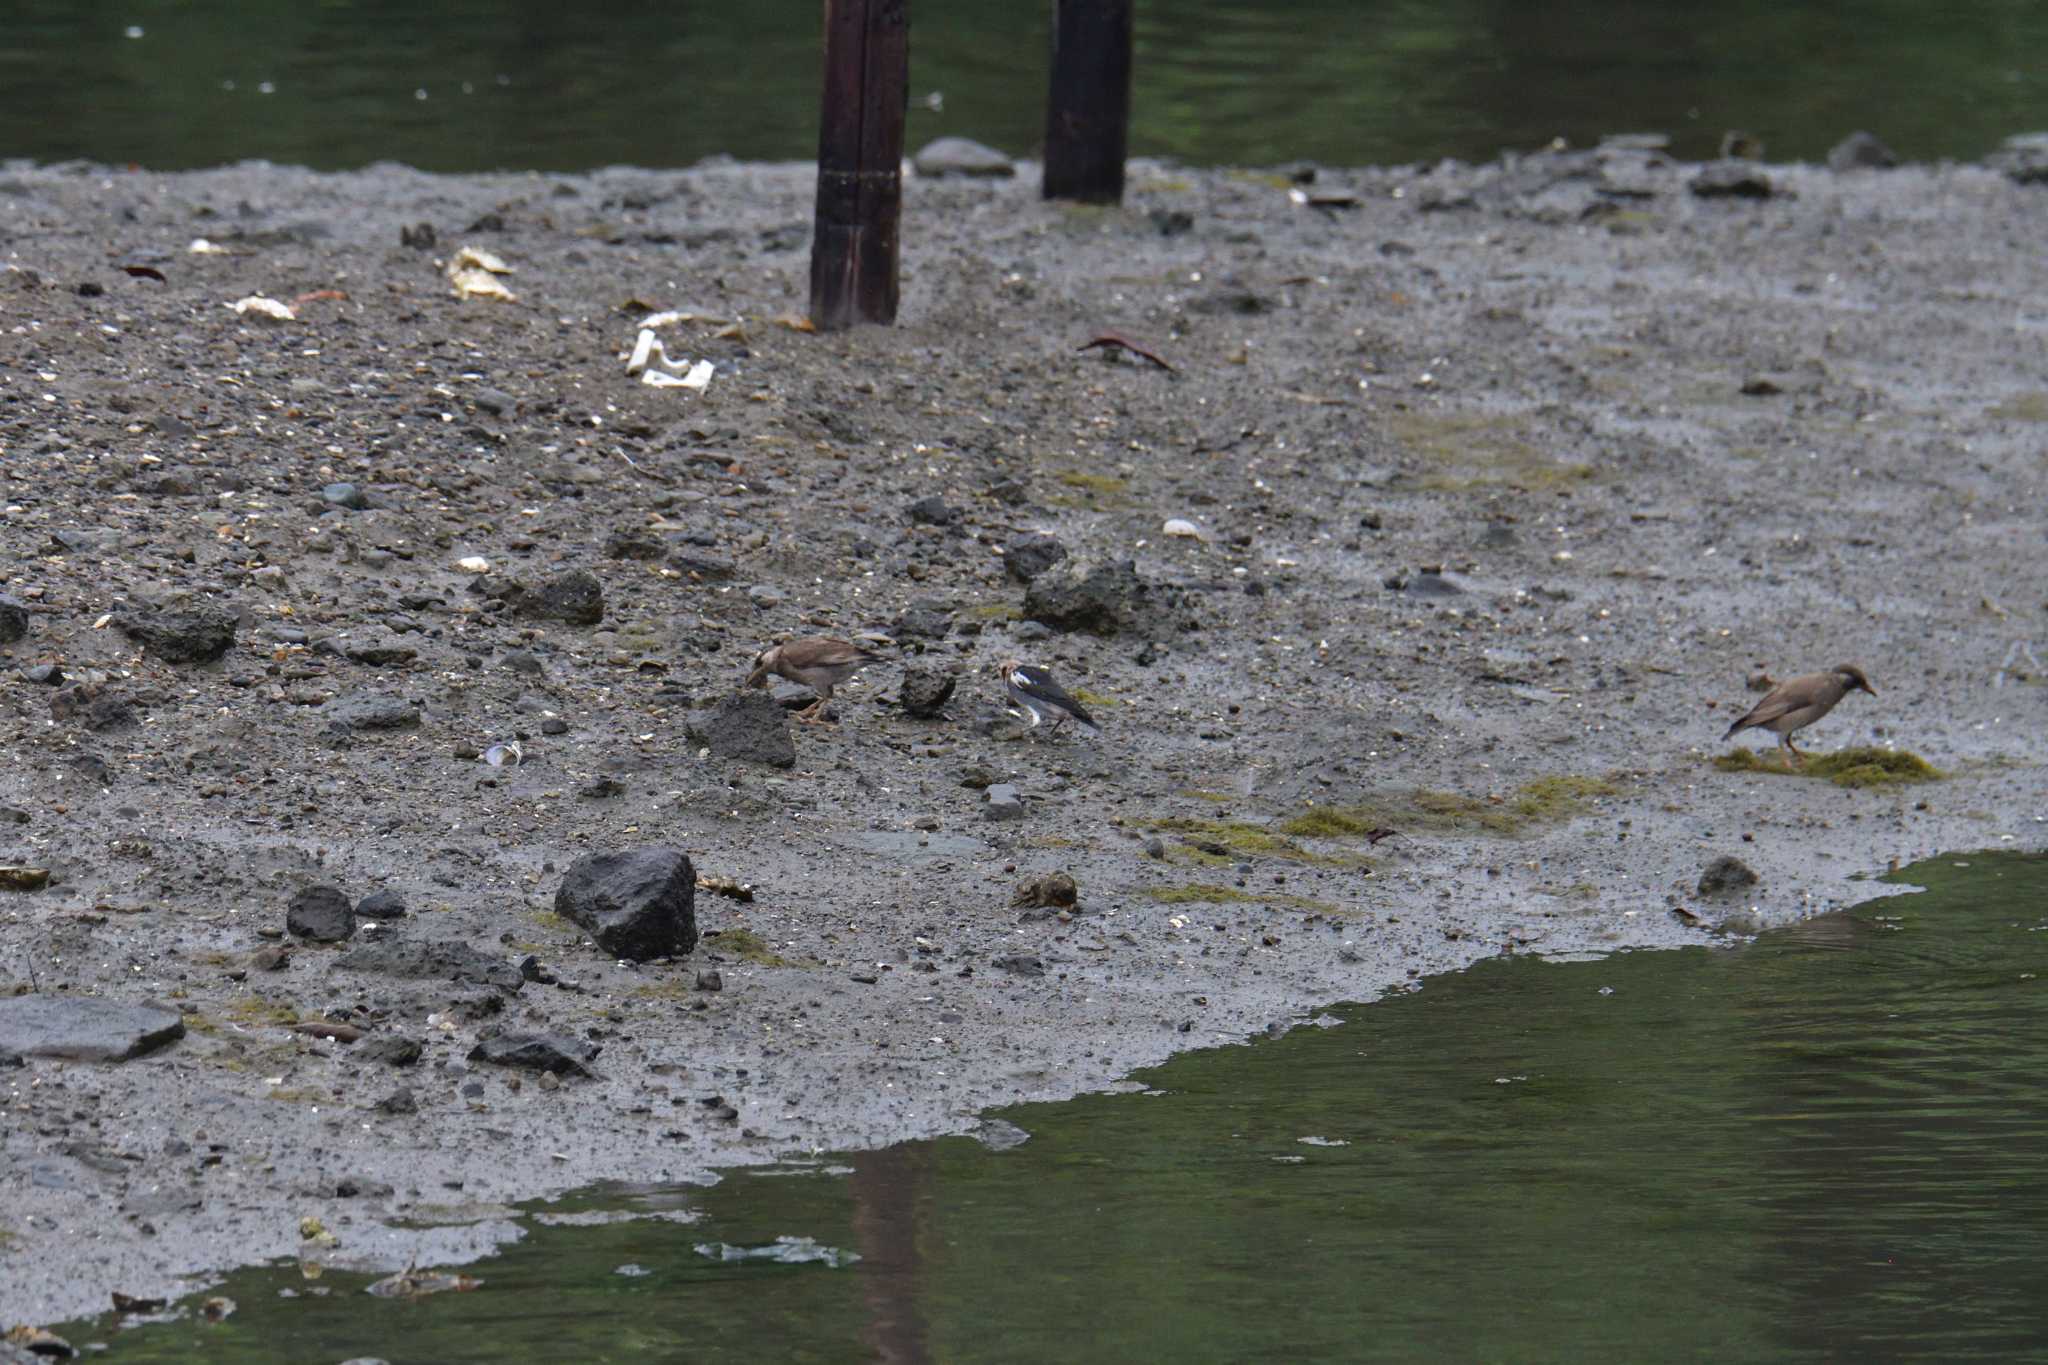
1868	688
759	677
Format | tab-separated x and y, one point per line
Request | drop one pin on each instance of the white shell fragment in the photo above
201	247
269	310
498	755
474	274
1185	529
474	564
471	257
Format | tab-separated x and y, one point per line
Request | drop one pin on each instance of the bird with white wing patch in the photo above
1033	691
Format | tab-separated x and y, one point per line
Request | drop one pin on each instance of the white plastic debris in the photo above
699	377
644	350
268	310
651	364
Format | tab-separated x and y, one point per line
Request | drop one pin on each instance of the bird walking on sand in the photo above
1033	691
1798	702
819	662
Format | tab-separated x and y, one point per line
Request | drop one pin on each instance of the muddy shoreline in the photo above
1653	441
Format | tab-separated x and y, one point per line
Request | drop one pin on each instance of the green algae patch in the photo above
257	1011
1547	800
1096	699
1212	843
1102	484
746	944
1199	894
1858	768
2025	407
1558	798
1472	451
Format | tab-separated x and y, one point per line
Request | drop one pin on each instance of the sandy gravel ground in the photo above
1654	443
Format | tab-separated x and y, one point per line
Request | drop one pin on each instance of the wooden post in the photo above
1088	115
860	163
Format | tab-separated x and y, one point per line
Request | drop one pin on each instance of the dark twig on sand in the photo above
1137	348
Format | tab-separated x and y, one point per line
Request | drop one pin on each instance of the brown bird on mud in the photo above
1798	702
819	662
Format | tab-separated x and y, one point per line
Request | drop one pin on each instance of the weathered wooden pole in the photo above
1088	115
860	163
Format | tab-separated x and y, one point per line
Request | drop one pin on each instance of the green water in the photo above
481	84
1831	1144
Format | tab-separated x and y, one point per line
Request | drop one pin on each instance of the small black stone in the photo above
381	905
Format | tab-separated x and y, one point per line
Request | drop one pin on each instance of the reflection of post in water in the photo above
888	1187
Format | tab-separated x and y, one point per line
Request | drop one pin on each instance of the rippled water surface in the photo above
482	84
1831	1144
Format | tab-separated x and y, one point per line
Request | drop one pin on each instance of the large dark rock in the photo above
1101	597
1049	891
575	598
83	1028
392	1050
196	635
638	904
427	959
746	726
1725	875
700	563
13	619
320	914
925	689
371	711
381	905
537	1052
1031	554
926	618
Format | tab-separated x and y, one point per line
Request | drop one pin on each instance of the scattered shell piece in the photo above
475	257
1182	528
480	284
795	322
269	310
24	878
217	1308
726	886
671	317
498	755
201	247
473	564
